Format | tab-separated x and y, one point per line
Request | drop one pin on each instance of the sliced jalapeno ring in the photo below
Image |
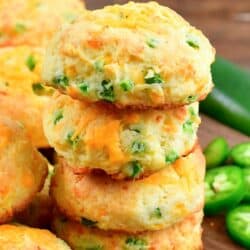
216	152
238	225
224	189
241	154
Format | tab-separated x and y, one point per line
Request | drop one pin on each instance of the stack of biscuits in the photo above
124	122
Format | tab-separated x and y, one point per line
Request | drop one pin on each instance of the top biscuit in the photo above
137	54
33	22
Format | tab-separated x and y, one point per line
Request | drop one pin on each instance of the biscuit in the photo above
33	22
22	97
152	203
39	212
22	169
17	237
136	54
185	235
123	143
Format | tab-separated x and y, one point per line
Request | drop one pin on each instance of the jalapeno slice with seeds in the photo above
224	189
216	152
241	154
238	225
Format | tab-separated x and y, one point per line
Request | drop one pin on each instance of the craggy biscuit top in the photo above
137	54
33	22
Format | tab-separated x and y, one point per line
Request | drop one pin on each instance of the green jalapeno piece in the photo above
241	154
216	152
238	225
224	189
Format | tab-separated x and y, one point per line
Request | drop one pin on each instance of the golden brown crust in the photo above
22	169
39	212
166	106
16	237
142	107
151	203
8	215
185	235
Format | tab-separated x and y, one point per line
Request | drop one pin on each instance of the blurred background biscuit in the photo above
39	212
17	237
22	169
22	95
33	22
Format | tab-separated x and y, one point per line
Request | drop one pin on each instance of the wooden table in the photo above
227	24
215	236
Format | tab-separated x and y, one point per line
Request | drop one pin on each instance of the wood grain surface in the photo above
214	234
227	24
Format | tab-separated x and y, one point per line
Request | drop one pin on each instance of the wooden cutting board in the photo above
214	234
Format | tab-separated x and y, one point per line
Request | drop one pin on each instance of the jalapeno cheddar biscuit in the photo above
22	169
21	89
33	22
151	203
17	237
137	54
124	143
185	235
